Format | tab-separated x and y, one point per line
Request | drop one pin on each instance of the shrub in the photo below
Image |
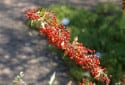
102	29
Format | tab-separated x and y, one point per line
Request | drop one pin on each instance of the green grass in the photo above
102	29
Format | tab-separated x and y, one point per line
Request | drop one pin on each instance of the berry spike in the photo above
59	36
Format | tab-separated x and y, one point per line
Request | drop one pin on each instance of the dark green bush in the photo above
102	29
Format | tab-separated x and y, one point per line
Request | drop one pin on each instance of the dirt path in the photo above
19	51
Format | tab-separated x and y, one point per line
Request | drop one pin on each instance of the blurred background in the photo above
99	24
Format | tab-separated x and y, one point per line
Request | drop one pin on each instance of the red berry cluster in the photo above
31	14
85	82
56	35
59	36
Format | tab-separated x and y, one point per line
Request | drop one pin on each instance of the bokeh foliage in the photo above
102	29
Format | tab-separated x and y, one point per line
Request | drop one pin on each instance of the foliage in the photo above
59	36
102	29
18	79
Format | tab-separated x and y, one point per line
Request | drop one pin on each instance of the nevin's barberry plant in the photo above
59	36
